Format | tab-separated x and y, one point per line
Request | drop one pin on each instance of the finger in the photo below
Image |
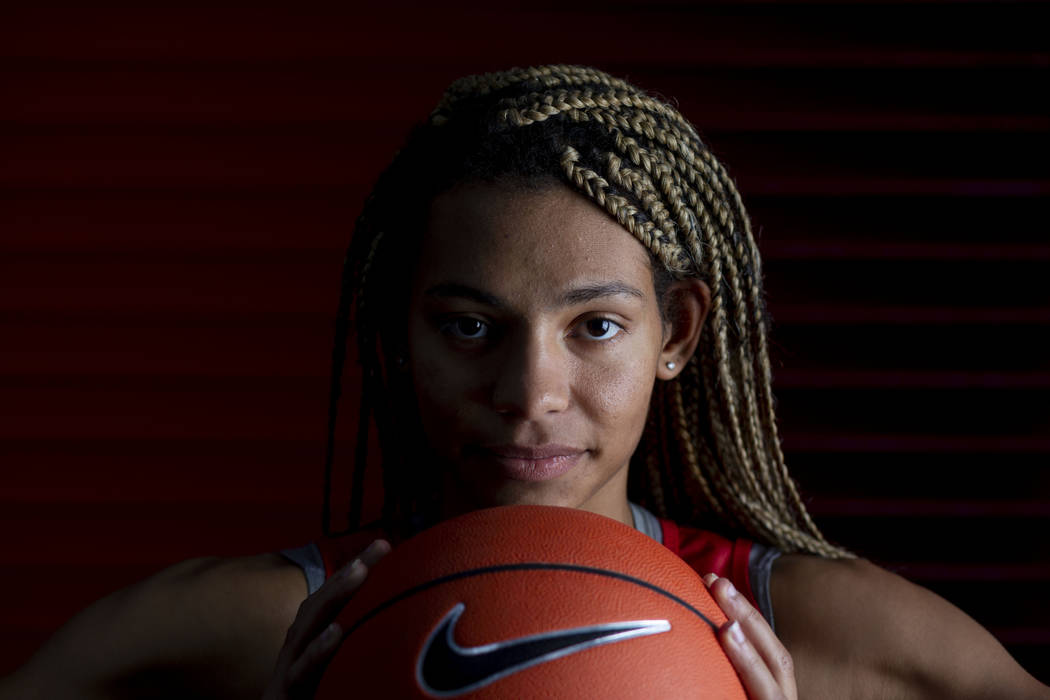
757	631
709	579
344	581
320	608
305	674
374	552
749	665
333	593
317	611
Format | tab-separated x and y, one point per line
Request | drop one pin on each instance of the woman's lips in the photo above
523	463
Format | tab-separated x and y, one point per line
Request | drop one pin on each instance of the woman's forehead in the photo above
551	236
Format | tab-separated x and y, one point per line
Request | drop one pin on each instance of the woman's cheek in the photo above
619	393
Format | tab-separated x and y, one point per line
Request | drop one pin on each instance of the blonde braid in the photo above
597	188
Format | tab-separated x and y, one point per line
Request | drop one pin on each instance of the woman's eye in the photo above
467	328
601	328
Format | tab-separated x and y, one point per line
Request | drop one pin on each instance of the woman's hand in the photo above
313	638
763	664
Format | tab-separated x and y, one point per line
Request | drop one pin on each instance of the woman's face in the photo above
534	341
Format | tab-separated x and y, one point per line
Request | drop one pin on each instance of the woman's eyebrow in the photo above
453	290
576	295
590	292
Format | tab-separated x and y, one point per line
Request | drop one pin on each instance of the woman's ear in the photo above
686	305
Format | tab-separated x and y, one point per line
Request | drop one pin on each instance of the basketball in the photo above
531	602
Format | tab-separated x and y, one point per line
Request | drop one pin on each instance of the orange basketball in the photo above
531	602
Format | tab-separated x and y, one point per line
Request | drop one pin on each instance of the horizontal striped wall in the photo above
177	183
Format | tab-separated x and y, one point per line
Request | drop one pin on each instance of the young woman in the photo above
556	299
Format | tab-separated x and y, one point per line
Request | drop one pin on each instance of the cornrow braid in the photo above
710	452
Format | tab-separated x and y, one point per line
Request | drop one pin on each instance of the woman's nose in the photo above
532	378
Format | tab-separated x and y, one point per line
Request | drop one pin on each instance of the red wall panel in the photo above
178	181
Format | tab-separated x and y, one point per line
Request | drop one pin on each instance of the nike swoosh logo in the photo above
446	669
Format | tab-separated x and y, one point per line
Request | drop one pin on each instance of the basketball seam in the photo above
526	566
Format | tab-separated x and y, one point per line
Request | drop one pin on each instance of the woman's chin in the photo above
530	495
518	493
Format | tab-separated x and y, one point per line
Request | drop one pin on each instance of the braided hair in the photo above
710	454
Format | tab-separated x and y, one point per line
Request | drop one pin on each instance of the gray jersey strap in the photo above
646	523
760	568
308	557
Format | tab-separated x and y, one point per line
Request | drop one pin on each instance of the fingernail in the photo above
331	633
731	591
350	569
709	579
736	632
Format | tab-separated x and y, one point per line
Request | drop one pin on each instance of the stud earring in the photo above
671	365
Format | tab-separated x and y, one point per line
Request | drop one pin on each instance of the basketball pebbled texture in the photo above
471	608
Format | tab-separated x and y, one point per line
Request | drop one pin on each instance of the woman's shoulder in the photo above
172	630
855	629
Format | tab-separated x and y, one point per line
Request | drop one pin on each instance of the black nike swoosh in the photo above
446	669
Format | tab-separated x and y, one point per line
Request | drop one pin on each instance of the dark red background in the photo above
178	180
